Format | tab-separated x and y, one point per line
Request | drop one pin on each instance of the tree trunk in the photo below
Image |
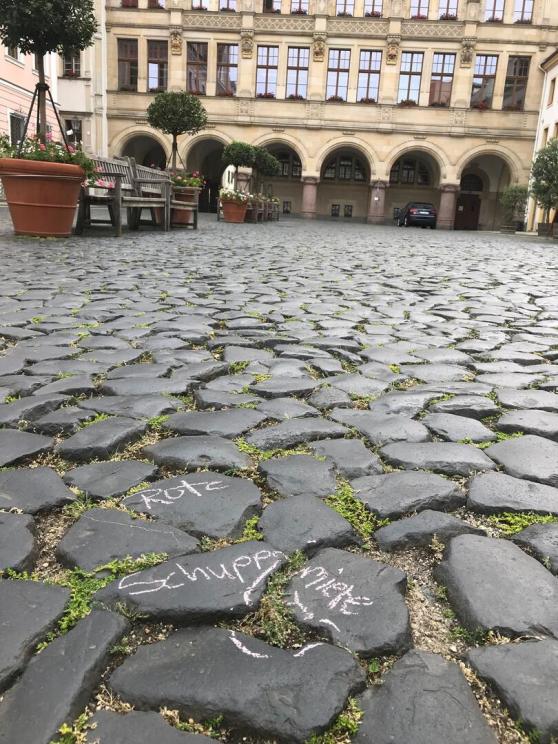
42	99
174	151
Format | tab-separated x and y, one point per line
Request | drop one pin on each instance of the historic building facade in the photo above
368	104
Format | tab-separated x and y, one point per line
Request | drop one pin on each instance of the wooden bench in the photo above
122	184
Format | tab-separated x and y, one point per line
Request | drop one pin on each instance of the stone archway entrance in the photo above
146	151
482	181
413	177
343	191
287	186
205	157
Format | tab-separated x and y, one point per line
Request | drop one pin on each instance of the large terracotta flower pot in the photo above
233	211
42	196
186	194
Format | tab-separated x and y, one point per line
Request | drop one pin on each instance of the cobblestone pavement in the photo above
284	483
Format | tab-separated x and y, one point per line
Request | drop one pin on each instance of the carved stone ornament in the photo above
319	47
392	55
247	43
467	51
176	42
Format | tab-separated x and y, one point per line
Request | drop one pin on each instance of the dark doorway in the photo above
205	157
146	151
467	212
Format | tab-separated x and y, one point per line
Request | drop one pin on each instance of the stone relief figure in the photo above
176	42
319	47
467	51
247	43
392	49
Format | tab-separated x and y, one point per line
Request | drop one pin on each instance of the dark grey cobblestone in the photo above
296	382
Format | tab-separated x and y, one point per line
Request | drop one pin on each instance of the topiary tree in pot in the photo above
240	155
176	113
513	201
42	178
266	164
544	182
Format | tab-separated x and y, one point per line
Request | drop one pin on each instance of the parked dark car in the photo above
421	214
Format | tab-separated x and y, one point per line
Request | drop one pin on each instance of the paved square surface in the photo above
262	482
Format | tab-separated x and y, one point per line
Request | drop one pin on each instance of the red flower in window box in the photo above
373	14
419	17
344	14
224	9
336	99
494	19
226	94
407	103
367	100
448	17
199	7
299	11
295	97
481	106
70	74
265	95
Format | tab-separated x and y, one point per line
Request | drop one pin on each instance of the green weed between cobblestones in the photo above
237	368
97	420
344	728
251	531
156	423
84	584
354	511
212	727
510	523
74	734
11	398
260	455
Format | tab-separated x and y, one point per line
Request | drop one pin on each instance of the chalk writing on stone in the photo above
170	495
341	595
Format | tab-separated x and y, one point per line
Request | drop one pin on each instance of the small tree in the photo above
513	201
43	26
176	113
239	154
544	175
266	164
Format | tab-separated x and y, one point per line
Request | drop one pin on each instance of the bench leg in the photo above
117	218
80	222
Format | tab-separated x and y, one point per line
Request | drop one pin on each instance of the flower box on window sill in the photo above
299	11
494	19
373	14
295	97
226	94
419	17
524	21
408	103
513	107
227	10
438	104
448	17
482	106
344	14
199	7
367	100
71	75
336	99
265	95
197	92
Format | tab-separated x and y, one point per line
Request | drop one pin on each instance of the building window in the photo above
348	210
13	52
523	11
373	8
410	171
228	5
447	10
494	11
483	81
129	3
345	7
227	69
291	167
197	67
271	6
551	92
127	64
344	168
156	4
419	8
409	78
299	7
157	65
287	207
516	83
266	71
442	79
335	210
74	130
72	65
297	72
369	76
17	125
338	74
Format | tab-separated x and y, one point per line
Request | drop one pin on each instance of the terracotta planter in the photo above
185	194
233	211
42	197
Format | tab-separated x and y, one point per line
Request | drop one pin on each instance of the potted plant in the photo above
187	187
513	201
295	97
407	103
373	14
336	99
176	113
235	204
367	100
448	17
239	154
42	178
544	183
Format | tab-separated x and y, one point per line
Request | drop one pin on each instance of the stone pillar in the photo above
377	203
446	213
309	197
